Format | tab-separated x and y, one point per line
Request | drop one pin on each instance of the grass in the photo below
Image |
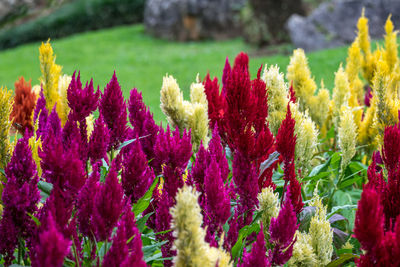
141	61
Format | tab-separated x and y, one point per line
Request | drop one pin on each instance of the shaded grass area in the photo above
141	61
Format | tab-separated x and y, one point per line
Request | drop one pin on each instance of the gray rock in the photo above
9	8
335	23
192	19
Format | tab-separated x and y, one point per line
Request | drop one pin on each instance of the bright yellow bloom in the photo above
36	143
63	84
190	244
50	75
299	73
353	66
390	44
277	91
320	106
6	103
363	34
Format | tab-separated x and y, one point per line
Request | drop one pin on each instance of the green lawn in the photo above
142	61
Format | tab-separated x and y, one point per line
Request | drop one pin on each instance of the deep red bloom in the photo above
286	139
113	108
292	93
216	101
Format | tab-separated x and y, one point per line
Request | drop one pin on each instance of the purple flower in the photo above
53	126
216	150
19	200
40	106
21	166
282	231
52	246
108	206
174	151
233	232
143	123
257	255
163	223
99	140
217	199
82	101
113	108
136	175
199	168
85	203
245	177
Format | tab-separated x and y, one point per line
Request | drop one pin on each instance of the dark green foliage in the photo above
78	16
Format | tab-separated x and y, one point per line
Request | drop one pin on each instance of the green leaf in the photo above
150	249
45	189
341	208
144	201
2	171
342	259
124	144
140	223
320	168
243	233
36	220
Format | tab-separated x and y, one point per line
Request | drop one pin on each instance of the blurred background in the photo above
145	39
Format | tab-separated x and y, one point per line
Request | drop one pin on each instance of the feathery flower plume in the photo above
52	246
136	176
321	233
24	104
347	136
99	140
218	208
82	101
391	52
143	124
63	84
303	253
257	256
192	250
353	67
198	123
215	99
282	233
85	203
113	108
341	94
108	205
50	75
6	103
269	206
277	91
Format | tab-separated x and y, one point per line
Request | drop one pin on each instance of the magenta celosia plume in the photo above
99	140
113	109
257	256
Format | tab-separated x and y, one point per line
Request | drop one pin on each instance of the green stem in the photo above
19	252
75	252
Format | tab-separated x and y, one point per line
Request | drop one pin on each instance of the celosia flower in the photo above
198	123
286	139
340	94
85	203
217	199
282	233
217	151
113	108
63	84
257	255
20	198
107	206
245	177
24	103
269	206
143	124
52	246
50	74
136	176
119	250
6	104
321	233
233	232
353	68
198	170
53	126
82	101
347	136
99	140
162	223
277	96
215	99
390	44
192	250
303	253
